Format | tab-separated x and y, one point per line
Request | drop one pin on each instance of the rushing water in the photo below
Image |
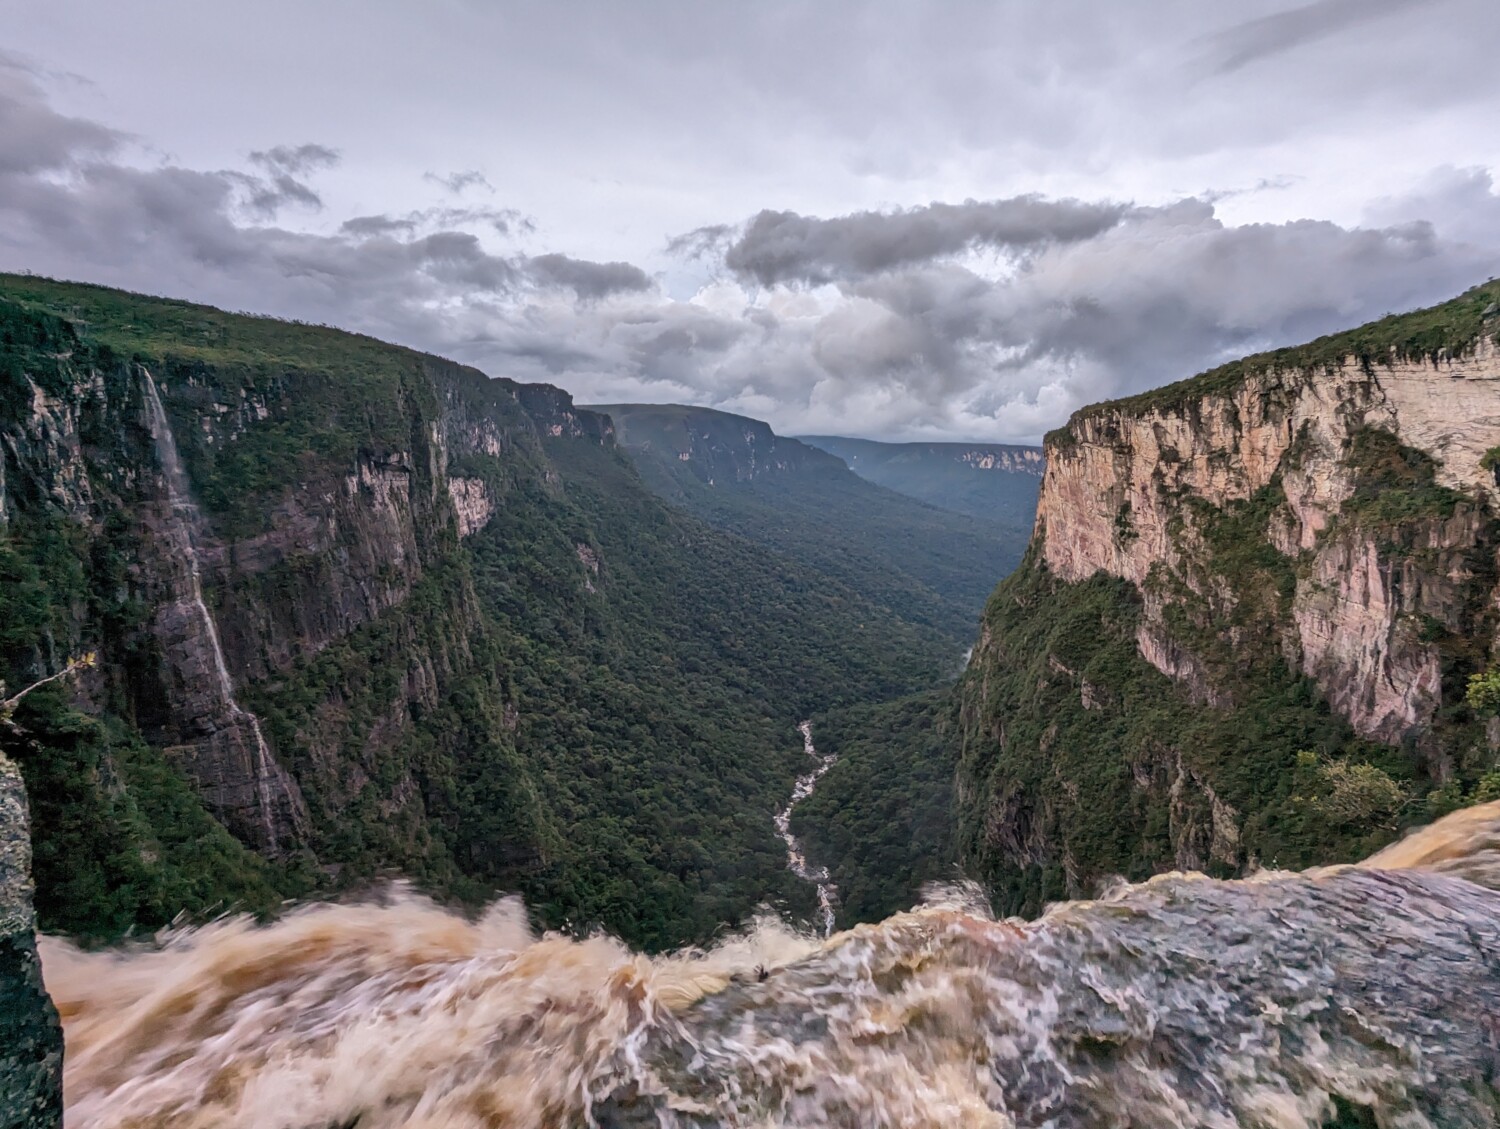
1180	1002
796	856
183	534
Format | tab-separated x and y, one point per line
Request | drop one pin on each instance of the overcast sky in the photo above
897	220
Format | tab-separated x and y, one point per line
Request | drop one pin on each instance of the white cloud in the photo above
936	219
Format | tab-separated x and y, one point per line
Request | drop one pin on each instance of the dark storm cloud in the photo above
586	279
787	247
1271	35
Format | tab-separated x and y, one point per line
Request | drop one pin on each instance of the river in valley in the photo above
796	855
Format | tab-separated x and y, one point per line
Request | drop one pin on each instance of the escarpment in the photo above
1293	554
361	612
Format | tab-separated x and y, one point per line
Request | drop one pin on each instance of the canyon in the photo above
364	612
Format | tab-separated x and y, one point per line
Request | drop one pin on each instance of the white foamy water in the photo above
1179	1003
796	856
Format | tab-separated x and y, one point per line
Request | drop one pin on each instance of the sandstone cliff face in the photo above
218	605
1290	561
1116	494
1012	460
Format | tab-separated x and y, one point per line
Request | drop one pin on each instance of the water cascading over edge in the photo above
182	532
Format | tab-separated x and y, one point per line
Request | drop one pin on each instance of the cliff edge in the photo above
30	1035
1241	589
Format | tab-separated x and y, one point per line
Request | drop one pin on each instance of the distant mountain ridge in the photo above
991	481
931	566
714	446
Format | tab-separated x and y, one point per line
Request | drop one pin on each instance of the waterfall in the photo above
1182	1001
182	532
796	857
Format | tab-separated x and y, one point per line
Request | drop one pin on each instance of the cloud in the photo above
458	182
295	160
982	319
77	208
704	242
1259	39
586	279
36	139
502	221
281	183
787	247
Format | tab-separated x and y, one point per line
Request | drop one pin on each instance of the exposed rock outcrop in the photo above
1304	545
1120	480
241	552
30	1036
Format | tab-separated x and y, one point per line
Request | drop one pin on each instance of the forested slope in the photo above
992	482
928	565
1246	625
411	621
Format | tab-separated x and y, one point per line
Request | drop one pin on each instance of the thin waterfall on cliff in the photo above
796	856
183	532
1277	1001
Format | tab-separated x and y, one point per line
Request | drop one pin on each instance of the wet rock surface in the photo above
31	1045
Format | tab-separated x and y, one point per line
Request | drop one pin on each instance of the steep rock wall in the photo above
1238	587
1114	500
256	519
30	1035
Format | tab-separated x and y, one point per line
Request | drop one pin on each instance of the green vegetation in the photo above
881	818
948	475
1483	693
120	842
1351	795
591	700
1059	788
1394	483
928	566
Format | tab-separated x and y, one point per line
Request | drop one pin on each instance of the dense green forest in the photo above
929	566
591	698
881	819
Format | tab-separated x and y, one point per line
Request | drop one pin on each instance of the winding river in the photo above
796	857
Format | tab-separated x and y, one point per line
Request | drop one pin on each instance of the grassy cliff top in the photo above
1452	328
157	329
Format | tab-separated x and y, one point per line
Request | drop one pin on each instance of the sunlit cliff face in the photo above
1181	1001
